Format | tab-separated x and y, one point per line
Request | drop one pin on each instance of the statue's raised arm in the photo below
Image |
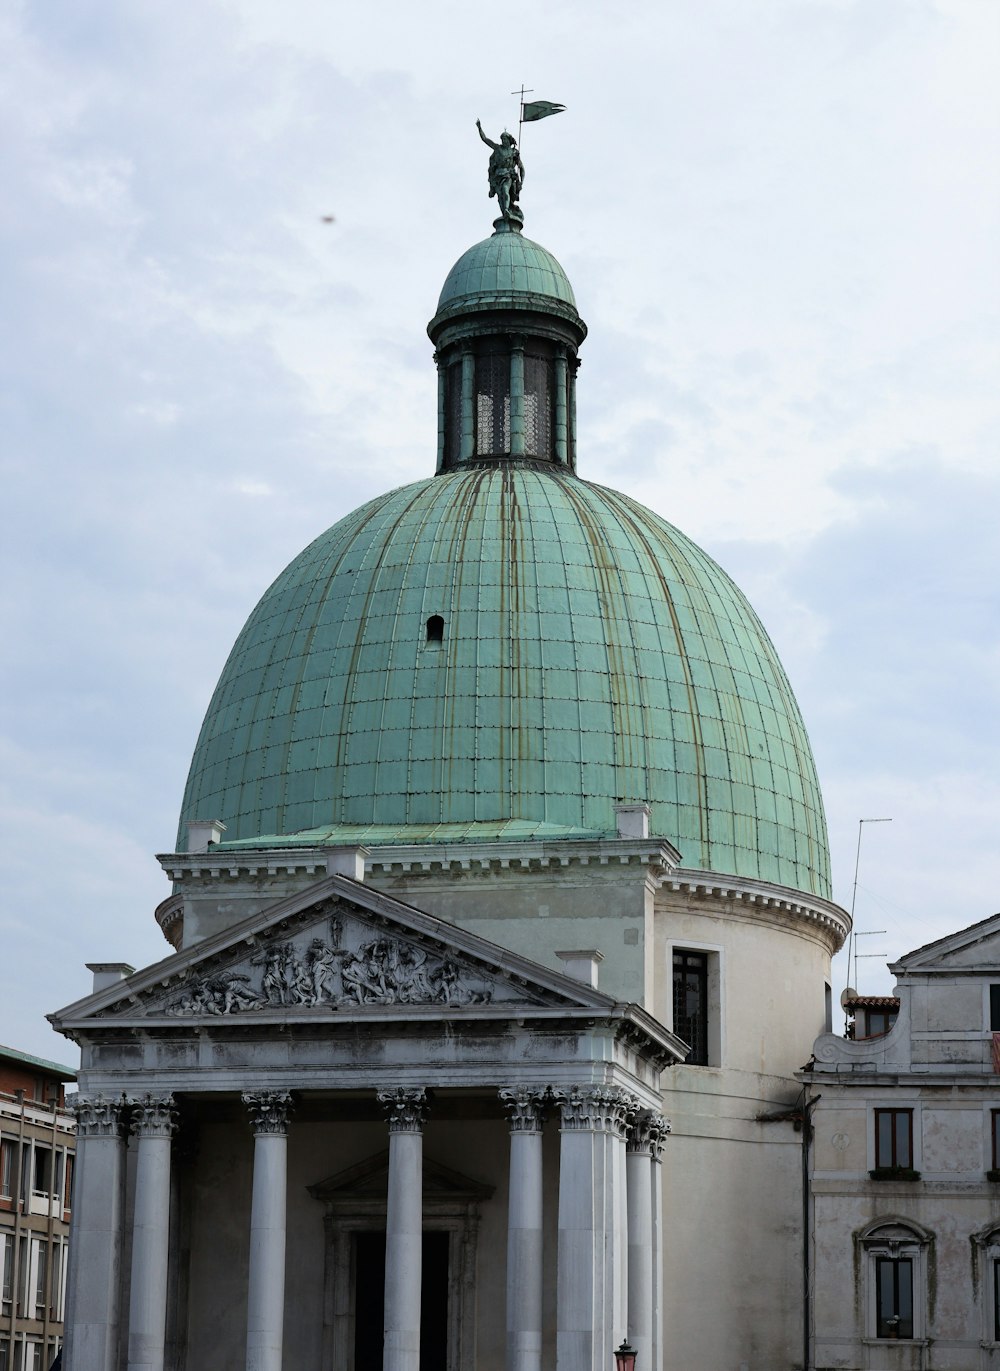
506	174
488	141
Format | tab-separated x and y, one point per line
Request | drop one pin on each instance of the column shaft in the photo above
147	1316
266	1284
524	1229
581	1335
94	1270
562	383
468	406
404	1223
403	1252
640	1254
517	425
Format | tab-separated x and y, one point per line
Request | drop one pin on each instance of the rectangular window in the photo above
7	1270
995	1008
67	1203
7	1168
880	1021
55	1288
42	1170
893	1139
995	1139
4	1354
691	1004
40	1255
894	1297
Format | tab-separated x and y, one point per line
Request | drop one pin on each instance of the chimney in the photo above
632	821
202	833
108	973
346	861
582	964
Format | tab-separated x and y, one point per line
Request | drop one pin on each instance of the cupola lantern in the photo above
506	334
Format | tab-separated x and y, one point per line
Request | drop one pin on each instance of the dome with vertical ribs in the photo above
509	652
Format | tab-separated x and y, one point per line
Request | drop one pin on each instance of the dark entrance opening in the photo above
369	1300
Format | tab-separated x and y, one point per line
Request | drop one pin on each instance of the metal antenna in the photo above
525	90
854	896
863	956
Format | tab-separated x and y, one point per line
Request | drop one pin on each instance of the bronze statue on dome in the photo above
506	174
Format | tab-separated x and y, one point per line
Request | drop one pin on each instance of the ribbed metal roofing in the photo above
505	265
590	654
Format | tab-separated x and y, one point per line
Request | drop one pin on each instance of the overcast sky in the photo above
781	221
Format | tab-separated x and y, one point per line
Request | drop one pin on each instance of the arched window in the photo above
896	1253
435	629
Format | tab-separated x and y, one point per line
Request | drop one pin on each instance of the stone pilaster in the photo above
406	1109
526	1114
154	1122
94	1272
268	1111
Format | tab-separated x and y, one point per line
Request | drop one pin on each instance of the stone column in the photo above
468	405
658	1133
269	1110
621	1108
640	1235
442	415
404	1225
526	1108
94	1272
562	387
585	1291
517	425
154	1121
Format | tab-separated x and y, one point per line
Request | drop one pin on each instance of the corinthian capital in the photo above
97	1117
154	1116
406	1108
268	1110
525	1107
647	1134
599	1109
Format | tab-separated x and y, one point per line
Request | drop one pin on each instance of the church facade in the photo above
501	928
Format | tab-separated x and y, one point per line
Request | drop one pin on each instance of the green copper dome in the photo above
507	650
506	270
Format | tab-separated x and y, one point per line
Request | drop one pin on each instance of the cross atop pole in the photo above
525	90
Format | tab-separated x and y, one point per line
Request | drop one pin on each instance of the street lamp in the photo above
625	1358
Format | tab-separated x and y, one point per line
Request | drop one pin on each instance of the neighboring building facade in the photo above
503	812
905	1175
37	1143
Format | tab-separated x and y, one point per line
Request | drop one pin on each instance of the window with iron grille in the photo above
893	1297
539	404
691	1003
492	404
893	1139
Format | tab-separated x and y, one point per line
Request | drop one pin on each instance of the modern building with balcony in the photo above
37	1145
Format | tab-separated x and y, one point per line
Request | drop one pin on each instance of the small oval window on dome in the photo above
435	629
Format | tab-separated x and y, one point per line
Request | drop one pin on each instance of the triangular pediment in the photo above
369	1180
974	948
337	948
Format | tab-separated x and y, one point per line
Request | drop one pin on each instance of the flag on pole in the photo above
539	109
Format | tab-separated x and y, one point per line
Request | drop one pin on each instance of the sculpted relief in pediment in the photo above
344	967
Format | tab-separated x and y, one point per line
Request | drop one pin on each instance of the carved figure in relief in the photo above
382	971
324	963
